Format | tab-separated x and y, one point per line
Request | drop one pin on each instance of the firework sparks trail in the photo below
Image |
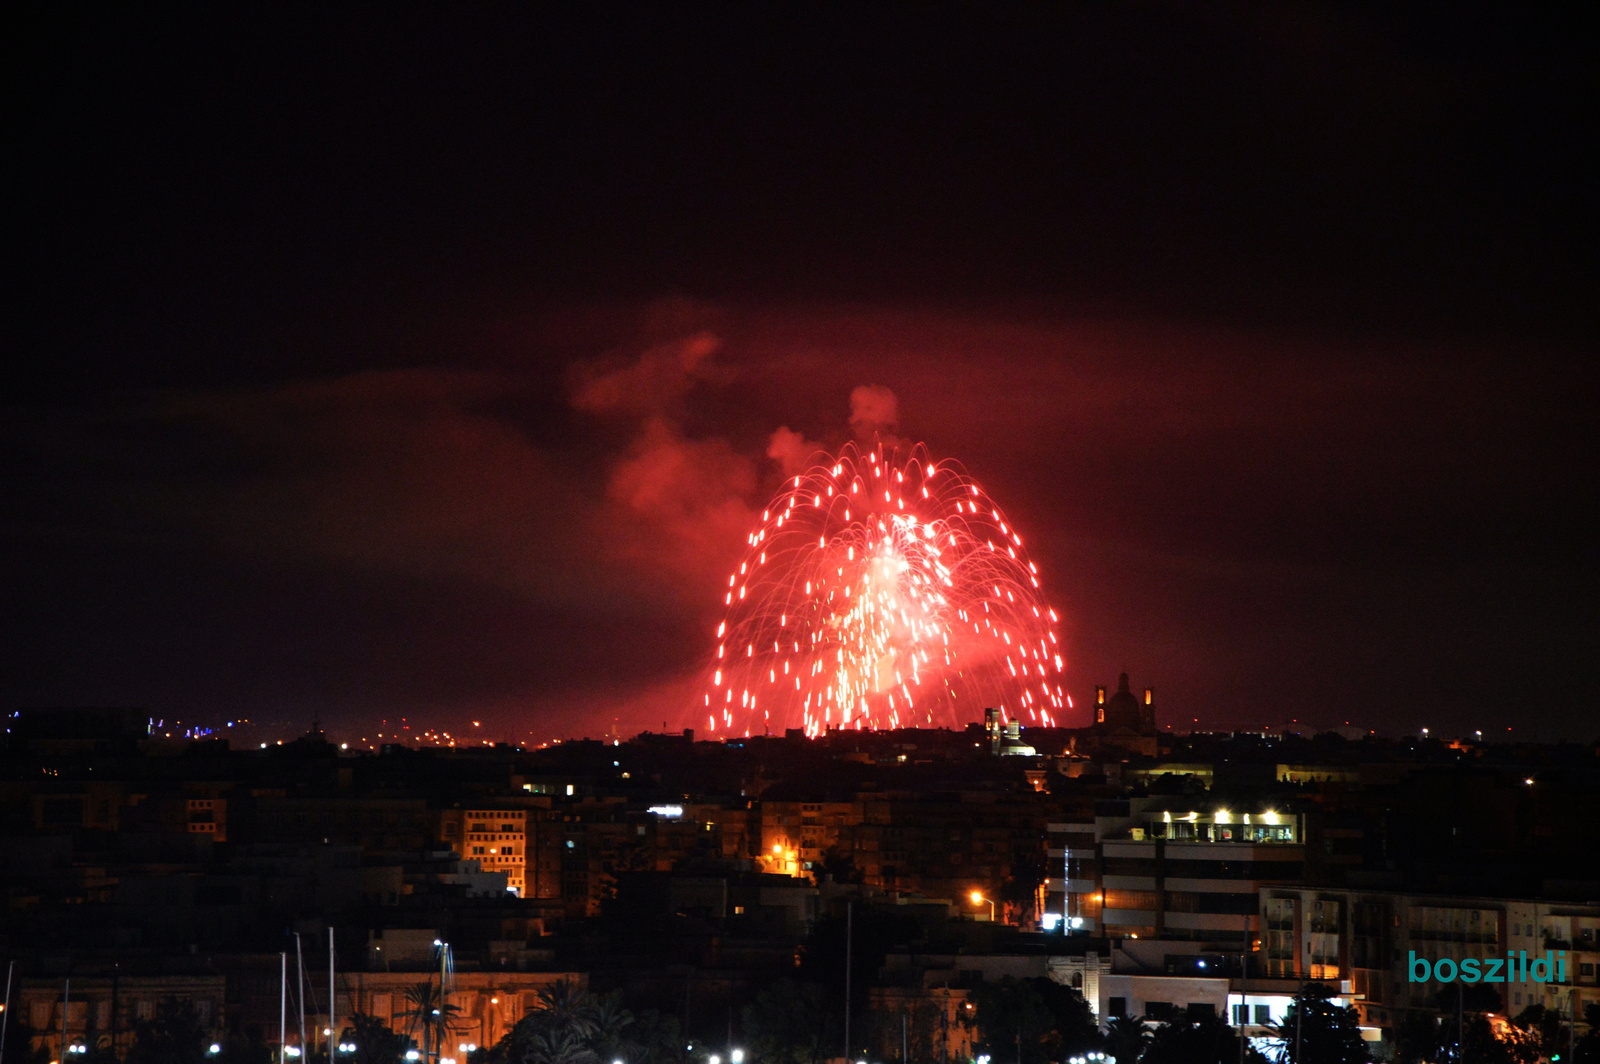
882	592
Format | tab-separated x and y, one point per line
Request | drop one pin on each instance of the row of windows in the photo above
1185	901
1163	1010
1182	901
1133	899
1191	869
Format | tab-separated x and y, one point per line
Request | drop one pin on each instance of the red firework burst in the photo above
883	593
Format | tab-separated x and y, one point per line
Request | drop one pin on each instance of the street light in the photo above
737	1056
979	899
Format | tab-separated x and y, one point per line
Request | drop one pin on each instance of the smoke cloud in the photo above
792	451
686	501
657	380
874	411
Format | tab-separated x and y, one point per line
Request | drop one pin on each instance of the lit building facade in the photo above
496	838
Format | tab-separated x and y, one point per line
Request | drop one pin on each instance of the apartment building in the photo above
1365	939
1175	867
496	838
796	834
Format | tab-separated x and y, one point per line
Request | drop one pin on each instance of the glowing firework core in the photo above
882	595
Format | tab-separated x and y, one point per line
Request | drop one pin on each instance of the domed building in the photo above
1005	739
1124	711
1124	723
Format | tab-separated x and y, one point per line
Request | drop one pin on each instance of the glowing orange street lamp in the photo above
979	899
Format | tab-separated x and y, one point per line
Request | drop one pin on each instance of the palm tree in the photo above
658	1038
558	1046
611	1021
1318	1030
567	1023
563	1006
1126	1038
426	1010
174	1035
375	1043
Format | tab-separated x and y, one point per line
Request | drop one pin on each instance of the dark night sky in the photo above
1271	326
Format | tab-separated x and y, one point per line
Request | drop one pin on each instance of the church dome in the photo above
1123	710
1124	703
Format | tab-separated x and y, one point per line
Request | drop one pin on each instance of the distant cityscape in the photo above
996	893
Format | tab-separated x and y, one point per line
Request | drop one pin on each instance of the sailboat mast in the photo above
300	990
438	1041
5	1011
283	1005
333	1025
